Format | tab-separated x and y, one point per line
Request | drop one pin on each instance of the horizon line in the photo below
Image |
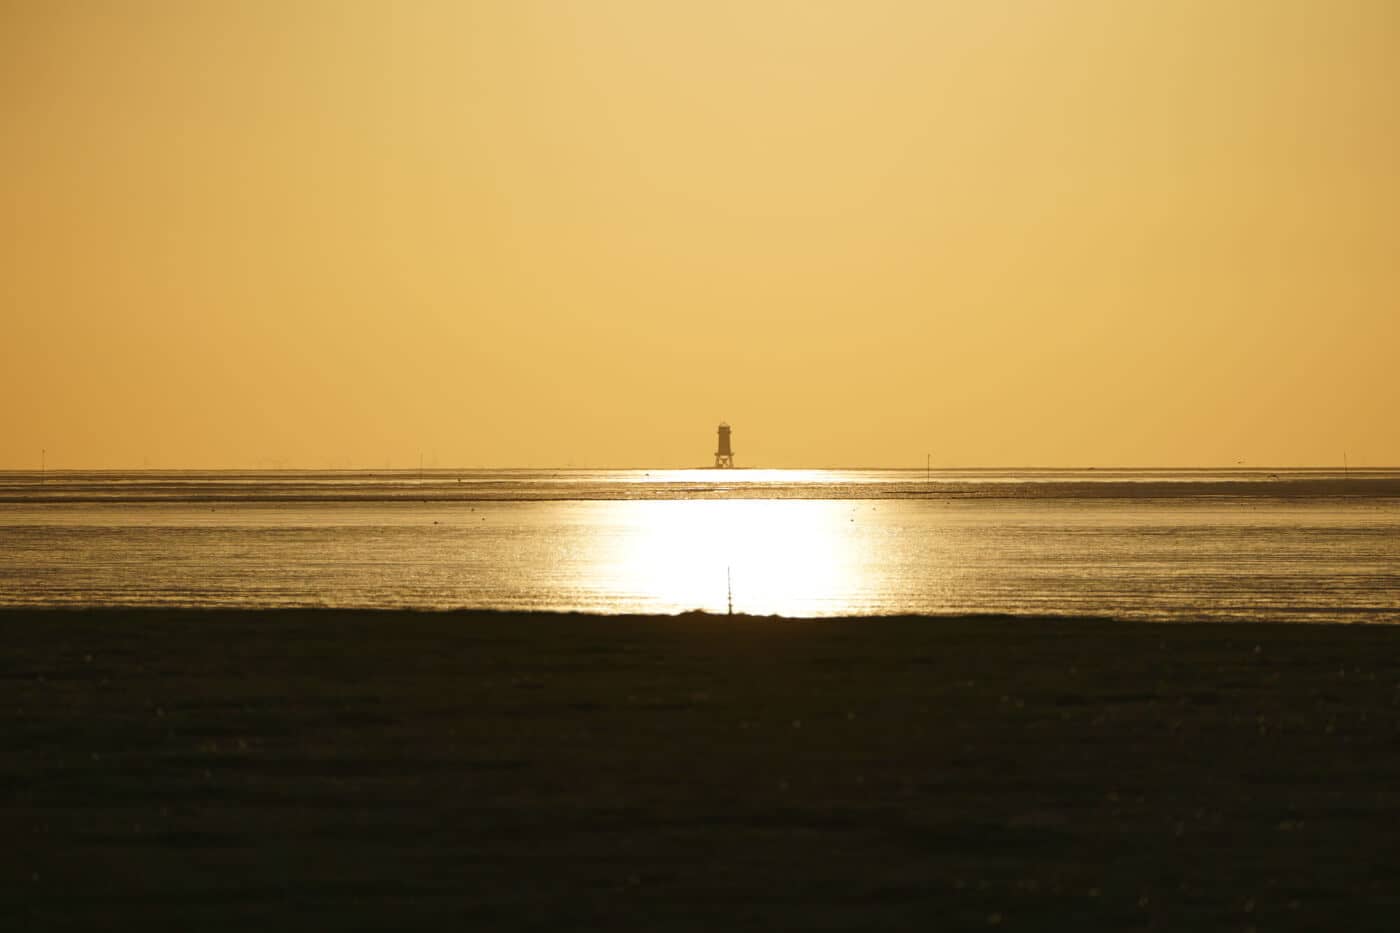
709	469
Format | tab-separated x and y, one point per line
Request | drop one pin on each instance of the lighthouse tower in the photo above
724	456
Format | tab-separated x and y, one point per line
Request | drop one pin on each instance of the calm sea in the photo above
1166	545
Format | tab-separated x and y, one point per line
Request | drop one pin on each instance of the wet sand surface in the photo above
342	770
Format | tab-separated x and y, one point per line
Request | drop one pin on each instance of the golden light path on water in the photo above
746	477
1131	544
777	556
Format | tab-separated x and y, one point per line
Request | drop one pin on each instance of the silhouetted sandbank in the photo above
301	489
169	769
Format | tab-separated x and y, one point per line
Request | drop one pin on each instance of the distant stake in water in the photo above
729	588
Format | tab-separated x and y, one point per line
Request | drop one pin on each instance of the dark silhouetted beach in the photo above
373	770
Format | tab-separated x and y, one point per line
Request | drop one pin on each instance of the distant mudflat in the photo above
305	487
234	770
1178	545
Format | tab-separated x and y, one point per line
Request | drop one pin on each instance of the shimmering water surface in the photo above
1171	545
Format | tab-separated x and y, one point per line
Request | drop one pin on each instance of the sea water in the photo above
1146	544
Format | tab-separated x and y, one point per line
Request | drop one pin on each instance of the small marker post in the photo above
729	587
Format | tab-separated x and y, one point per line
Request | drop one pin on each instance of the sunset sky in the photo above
543	233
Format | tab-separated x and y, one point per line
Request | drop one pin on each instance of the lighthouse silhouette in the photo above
724	456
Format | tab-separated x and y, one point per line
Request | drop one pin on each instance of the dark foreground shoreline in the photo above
385	770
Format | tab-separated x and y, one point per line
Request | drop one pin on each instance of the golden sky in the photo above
517	233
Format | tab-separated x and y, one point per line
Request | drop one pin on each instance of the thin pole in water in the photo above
729	587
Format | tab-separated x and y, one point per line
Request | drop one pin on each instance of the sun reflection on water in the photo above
745	477
680	553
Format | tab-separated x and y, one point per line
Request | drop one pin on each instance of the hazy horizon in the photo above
312	467
521	233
